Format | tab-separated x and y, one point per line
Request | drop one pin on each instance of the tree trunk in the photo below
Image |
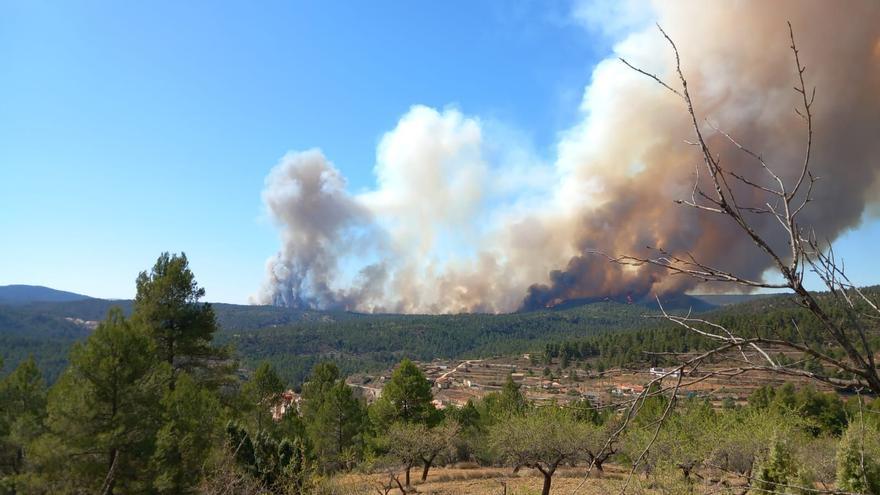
169	351
408	467
547	479
428	463
110	479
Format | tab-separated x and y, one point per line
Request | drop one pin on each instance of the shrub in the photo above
858	459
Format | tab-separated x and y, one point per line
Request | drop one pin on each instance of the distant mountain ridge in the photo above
28	294
24	294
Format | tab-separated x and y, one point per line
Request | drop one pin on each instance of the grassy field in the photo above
500	481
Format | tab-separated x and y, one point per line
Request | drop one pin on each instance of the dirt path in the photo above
453	370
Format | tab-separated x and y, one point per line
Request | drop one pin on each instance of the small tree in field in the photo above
438	440
776	470
512	400
405	443
541	439
414	444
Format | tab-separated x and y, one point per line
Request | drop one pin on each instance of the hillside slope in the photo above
294	340
23	294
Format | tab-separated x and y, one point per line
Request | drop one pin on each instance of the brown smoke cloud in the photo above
450	227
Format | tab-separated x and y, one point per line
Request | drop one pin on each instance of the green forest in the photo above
293	340
609	334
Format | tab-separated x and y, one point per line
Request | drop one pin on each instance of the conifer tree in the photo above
263	392
337	425
103	413
272	462
167	305
406	398
334	417
184	441
512	400
22	413
776	471
316	389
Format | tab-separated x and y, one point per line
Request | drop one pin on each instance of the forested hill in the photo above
294	340
230	316
48	329
22	294
377	341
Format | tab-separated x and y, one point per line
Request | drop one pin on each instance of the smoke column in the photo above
455	226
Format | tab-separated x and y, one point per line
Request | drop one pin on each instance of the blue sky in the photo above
131	128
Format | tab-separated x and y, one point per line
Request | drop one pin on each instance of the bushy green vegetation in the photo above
196	437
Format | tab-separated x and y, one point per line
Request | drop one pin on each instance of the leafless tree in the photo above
846	314
784	202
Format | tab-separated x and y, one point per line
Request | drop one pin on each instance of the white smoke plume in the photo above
465	219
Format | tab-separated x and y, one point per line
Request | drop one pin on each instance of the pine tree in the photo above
167	305
333	416
512	400
776	471
263	392
103	412
315	391
406	398
337	425
274	463
22	413
186	438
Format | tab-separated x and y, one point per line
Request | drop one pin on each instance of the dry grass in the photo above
456	481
